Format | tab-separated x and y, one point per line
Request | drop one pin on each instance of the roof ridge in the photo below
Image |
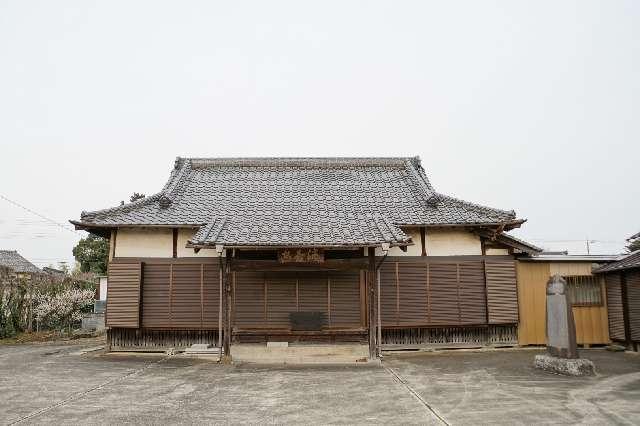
200	162
165	193
477	206
427	194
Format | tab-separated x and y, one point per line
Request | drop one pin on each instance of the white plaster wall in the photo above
183	236
145	242
497	252
158	242
446	242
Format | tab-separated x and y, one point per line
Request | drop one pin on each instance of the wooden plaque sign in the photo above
301	255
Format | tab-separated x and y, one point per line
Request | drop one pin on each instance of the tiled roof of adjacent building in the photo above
518	243
298	201
630	261
12	259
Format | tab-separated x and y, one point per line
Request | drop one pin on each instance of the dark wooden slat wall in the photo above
473	307
281	298
210	296
615	309
123	295
250	301
180	295
632	279
186	297
502	292
313	293
424	293
345	299
265	299
444	294
414	292
388	294
155	296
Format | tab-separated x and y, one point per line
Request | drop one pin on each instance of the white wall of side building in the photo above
452	242
144	242
442	242
497	252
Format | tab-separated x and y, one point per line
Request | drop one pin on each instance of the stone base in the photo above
564	366
300	354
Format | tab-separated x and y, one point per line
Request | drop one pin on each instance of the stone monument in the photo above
562	352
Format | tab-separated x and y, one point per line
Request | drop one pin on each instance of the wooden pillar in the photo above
227	308
371	293
625	311
175	242
221	303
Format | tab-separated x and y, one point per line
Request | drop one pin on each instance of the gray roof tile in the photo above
630	261
297	201
12	259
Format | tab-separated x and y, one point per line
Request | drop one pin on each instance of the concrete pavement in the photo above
57	383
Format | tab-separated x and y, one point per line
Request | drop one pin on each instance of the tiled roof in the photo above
628	262
12	259
290	201
519	243
307	229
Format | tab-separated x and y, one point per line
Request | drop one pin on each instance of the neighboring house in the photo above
54	272
586	291
21	266
623	297
290	249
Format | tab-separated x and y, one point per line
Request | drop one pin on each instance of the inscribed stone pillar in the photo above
561	329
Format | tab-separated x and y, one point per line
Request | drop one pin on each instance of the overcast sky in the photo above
532	106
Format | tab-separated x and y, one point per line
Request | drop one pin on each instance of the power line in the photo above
38	214
578	241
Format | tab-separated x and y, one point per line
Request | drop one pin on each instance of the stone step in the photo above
201	346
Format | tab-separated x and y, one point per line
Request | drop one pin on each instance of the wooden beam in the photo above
423	238
274	265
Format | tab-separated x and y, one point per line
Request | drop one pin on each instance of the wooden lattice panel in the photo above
123	295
